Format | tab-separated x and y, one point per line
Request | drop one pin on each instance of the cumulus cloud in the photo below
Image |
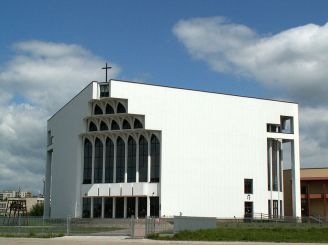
294	61
37	81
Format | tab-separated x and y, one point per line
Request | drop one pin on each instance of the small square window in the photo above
248	186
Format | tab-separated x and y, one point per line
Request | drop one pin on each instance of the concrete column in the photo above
137	163
137	208
270	176
91	211
148	206
114	207
149	162
102	207
296	189
126	162
125	207
104	159
278	174
47	186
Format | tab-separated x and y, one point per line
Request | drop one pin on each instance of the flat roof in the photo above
174	87
202	91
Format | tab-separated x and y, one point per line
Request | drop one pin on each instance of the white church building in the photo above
123	148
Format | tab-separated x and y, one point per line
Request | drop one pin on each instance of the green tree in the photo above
36	210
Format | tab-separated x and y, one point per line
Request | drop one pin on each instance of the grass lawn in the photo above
263	234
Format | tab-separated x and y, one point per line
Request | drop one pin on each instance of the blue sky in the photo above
49	50
138	34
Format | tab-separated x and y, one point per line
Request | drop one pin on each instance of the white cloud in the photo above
37	81
294	61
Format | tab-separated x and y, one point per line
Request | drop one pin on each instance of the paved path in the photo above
97	240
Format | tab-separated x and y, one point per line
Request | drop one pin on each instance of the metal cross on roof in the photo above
106	67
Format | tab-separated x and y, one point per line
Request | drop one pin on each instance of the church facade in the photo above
122	149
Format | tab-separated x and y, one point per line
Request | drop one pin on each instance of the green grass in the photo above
261	234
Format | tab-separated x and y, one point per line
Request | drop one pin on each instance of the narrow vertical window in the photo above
269	163
130	206
109	161
98	168
121	108
86	207
87	169
119	207
155	159
143	159
120	160
269	209
248	186
109	109
154	206
275	208
97	206
142	207
132	151
98	110
108	207
274	166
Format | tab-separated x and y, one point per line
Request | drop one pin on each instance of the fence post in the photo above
68	224
132	226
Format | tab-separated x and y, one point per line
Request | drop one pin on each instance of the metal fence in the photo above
40	227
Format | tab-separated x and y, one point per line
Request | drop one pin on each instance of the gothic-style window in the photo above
98	171
143	159
92	127
126	125
120	160
103	126
98	110
109	161
132	151
115	126
155	159
137	124
87	169
97	206
109	109
86	207
121	108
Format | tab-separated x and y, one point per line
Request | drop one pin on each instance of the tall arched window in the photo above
115	126
155	159
109	109
132	158
120	160
92	127
126	125
137	124
103	126
109	161
121	108
98	169
143	159
87	168
98	110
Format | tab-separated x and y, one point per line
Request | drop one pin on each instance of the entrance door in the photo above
248	214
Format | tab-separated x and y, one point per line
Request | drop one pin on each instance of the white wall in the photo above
210	143
65	126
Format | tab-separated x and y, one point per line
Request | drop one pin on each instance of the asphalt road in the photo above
96	240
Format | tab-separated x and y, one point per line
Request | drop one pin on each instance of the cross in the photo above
106	67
